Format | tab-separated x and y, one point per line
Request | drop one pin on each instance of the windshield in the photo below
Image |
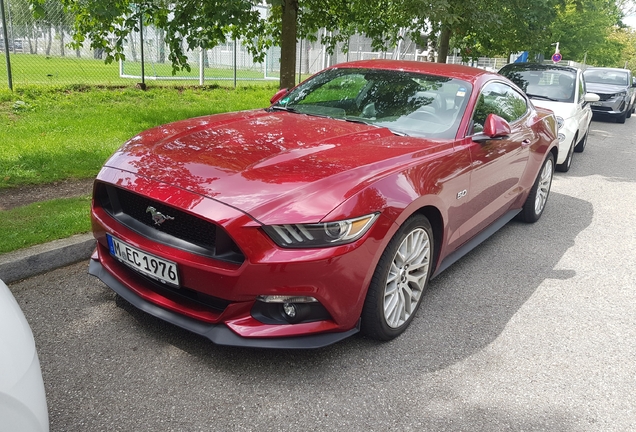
602	76
544	84
406	103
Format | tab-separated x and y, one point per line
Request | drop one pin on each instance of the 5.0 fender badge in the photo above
158	217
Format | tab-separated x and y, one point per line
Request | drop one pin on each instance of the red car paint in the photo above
240	171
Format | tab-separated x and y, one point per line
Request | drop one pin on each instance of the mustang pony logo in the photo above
158	217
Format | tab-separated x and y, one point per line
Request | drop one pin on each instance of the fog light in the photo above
279	309
290	310
561	137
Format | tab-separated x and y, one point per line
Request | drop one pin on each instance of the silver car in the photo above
616	88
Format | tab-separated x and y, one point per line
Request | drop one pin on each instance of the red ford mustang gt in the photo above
325	214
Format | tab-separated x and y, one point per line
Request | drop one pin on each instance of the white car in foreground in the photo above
562	90
22	399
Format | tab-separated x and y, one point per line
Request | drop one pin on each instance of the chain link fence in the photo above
39	54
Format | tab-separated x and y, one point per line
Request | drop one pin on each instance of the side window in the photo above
500	99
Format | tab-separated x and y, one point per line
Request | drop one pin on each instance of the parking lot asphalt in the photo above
534	330
38	259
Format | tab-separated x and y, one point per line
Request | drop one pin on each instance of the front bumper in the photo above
568	131
613	107
219	334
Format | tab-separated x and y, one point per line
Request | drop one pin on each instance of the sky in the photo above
630	19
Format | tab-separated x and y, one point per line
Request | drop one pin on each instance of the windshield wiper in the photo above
358	120
534	96
283	108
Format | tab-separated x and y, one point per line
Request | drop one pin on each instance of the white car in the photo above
22	399
562	90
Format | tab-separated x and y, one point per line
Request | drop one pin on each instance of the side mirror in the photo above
494	127
591	97
278	96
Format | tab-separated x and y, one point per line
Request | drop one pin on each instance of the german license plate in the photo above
157	268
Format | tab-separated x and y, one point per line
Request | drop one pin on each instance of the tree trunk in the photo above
49	40
133	47
161	42
288	44
36	38
61	33
444	44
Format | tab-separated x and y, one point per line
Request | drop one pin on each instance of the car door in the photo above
584	110
497	164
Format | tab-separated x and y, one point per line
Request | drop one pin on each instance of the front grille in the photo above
184	226
604	97
181	230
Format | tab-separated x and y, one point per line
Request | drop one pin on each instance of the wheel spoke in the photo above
543	188
407	278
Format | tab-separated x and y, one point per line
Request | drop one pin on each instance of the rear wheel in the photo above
399	281
535	203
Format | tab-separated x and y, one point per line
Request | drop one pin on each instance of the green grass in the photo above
42	222
55	133
27	69
51	134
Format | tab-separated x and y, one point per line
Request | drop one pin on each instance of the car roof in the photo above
538	67
608	69
466	73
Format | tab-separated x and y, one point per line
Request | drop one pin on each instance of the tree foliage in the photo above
476	28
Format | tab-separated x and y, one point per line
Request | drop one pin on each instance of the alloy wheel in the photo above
406	280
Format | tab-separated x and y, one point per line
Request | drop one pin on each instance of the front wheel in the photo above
580	146
535	203
567	163
399	280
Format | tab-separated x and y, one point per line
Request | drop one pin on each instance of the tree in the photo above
583	27
207	23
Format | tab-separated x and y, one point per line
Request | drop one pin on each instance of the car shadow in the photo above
465	309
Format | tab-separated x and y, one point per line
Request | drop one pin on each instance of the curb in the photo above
42	258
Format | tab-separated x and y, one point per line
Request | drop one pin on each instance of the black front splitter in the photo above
220	334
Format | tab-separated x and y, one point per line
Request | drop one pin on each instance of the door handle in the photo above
525	142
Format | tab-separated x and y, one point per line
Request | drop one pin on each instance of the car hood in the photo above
564	110
261	162
604	88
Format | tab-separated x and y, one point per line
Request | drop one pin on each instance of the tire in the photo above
629	113
567	163
535	203
580	146
399	281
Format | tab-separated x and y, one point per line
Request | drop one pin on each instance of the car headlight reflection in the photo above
320	234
